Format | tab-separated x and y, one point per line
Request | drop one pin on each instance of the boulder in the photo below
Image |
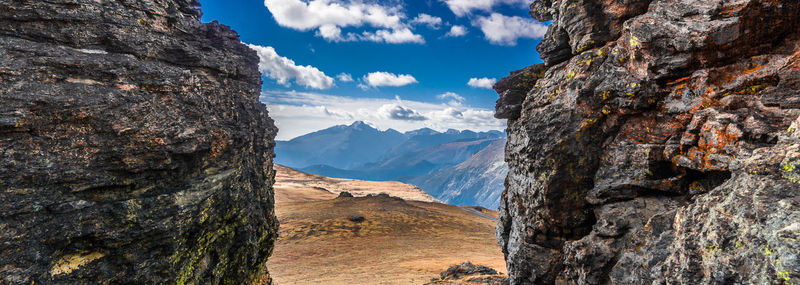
133	146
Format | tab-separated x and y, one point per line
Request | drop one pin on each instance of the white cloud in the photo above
377	79
330	17
465	7
284	70
504	30
451	96
299	113
484	82
456	31
394	36
331	33
344	77
433	22
398	112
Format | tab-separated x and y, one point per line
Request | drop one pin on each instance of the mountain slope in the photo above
476	181
414	163
293	179
399	241
364	152
426	137
340	146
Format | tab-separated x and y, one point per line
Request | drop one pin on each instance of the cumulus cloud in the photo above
344	77
377	79
456	31
394	36
330	17
363	86
283	70
398	112
465	7
484	82
505	30
298	113
452	98
432	22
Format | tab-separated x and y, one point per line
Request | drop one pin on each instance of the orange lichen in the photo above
753	69
218	144
679	81
713	140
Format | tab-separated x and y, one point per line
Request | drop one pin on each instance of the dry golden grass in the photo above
399	242
298	182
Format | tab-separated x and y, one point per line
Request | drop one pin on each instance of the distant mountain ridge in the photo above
413	163
424	156
478	180
339	146
351	147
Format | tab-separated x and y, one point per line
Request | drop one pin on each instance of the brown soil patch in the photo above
290	183
399	242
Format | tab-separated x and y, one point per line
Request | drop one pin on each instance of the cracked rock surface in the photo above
133	147
661	145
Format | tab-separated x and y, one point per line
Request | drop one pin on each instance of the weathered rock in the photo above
580	25
464	269
514	88
133	147
469	274
661	146
357	218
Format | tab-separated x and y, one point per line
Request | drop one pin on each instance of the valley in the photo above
405	237
463	168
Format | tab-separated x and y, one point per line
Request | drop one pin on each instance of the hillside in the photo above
339	146
413	163
293	184
463	167
359	147
476	181
400	241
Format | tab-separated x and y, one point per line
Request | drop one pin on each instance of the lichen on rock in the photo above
659	147
133	147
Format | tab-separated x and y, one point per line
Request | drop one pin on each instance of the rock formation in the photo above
661	145
469	274
133	147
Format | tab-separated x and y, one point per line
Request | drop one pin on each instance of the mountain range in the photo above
458	167
480	179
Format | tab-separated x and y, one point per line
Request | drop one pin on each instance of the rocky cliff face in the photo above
133	148
660	146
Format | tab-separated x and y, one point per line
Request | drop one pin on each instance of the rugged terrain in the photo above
294	184
476	181
338	146
657	144
462	168
133	148
361	151
395	241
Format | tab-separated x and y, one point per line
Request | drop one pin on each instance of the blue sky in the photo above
409	66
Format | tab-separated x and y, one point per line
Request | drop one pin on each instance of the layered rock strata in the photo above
133	147
660	146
